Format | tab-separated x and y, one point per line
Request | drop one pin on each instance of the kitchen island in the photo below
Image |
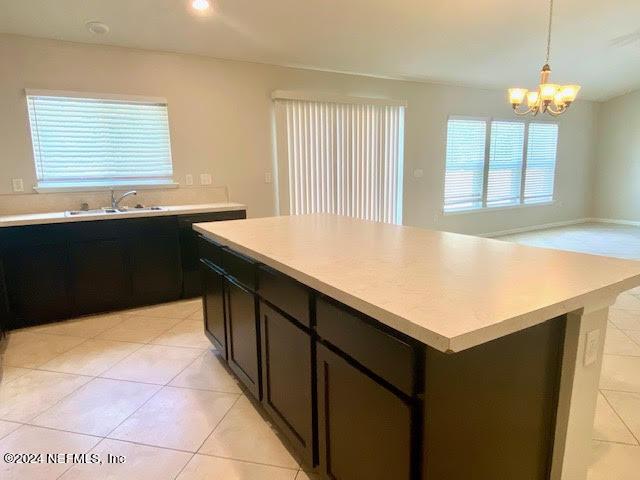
391	352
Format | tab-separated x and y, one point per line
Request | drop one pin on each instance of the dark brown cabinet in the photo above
286	378
364	430
242	335
213	304
36	278
153	248
99	281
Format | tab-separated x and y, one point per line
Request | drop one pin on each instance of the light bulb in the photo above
516	95
200	5
558	99
532	98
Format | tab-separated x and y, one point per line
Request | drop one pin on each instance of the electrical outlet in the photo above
591	347
268	178
205	179
188	179
18	185
418	173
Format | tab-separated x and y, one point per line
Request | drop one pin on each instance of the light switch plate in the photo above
18	185
205	179
591	347
188	179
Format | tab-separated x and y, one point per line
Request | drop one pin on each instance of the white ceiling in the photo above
486	43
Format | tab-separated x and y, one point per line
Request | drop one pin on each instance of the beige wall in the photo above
617	179
221	122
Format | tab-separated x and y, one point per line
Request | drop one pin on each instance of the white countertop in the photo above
447	290
61	217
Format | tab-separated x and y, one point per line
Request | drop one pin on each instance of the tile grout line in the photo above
621	419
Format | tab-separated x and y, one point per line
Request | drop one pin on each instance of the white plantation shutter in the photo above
464	177
343	158
541	162
505	163
93	141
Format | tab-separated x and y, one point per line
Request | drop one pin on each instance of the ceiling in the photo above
485	43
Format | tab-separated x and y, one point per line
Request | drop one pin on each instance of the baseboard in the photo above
543	226
616	221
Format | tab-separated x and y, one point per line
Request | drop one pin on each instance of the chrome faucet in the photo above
115	203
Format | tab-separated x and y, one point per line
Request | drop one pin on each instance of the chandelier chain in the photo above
549	31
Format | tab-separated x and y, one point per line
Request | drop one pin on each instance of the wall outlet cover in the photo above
188	179
592	347
18	185
418	173
205	179
268	178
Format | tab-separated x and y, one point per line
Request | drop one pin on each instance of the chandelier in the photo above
549	97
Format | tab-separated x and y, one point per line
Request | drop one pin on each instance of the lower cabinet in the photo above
364	430
108	290
213	305
286	378
37	284
242	335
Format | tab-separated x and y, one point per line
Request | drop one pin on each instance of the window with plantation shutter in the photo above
541	162
464	177
498	163
505	163
99	142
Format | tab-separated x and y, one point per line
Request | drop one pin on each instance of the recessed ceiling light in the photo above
201	5
97	28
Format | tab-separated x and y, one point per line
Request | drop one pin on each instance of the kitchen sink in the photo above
113	211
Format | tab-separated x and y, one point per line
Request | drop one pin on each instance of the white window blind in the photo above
505	163
342	158
541	162
464	177
84	142
485	164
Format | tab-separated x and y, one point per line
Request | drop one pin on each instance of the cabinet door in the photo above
364	430
242	336
153	249
4	302
36	283
286	378
99	278
213	304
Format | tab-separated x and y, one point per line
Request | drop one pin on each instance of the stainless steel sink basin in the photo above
113	211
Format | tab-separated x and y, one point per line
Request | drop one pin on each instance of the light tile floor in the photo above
616	436
146	384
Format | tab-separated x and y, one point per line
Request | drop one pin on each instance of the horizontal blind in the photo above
344	158
541	162
79	141
505	163
464	176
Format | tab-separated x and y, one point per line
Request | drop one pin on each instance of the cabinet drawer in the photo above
389	357
210	251
242	268
285	293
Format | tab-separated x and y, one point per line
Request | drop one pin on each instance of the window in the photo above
493	163
81	142
340	156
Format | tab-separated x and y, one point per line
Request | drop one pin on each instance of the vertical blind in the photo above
344	158
498	163
93	141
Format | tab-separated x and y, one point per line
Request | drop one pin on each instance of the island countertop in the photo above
447	290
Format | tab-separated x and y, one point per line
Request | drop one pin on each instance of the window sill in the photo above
61	188
495	209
